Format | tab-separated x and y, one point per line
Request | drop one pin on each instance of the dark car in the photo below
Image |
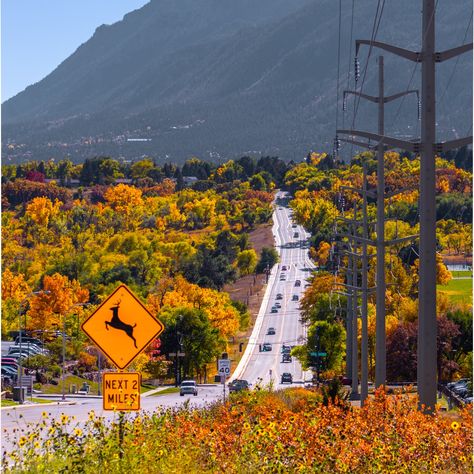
238	385
298	283
274	309
295	298
271	332
266	347
286	358
283	268
286	377
285	349
294	226
279	296
296	235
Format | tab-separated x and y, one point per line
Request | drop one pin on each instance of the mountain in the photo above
223	78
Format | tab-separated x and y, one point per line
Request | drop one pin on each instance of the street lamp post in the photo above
20	359
63	382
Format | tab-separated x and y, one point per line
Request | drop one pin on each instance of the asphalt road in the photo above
262	367
16	420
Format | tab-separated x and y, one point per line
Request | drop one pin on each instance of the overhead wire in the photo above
350	56
336	142
441	99
375	27
415	67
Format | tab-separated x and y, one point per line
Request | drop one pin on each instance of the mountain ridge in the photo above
225	85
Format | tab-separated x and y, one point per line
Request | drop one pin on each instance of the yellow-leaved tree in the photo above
178	292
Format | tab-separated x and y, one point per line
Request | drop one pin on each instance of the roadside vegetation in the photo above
319	198
293	430
175	243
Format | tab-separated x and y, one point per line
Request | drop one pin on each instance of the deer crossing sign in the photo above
122	327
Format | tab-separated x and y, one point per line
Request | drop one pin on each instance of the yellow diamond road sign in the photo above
122	327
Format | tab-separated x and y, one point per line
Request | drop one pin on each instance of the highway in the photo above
262	367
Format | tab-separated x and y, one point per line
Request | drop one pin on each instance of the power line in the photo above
375	28
441	100
336	142
412	74
350	61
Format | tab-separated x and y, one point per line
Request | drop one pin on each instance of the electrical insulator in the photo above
356	69
419	109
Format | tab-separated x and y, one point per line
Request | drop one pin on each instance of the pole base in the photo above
354	396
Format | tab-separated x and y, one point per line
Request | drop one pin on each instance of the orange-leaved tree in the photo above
58	299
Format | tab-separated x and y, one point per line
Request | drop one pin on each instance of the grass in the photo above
11	403
166	391
457	290
146	388
69	380
461	273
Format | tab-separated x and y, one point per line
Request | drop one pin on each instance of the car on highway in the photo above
286	358
279	296
285	349
237	385
266	347
286	377
274	309
271	332
277	305
295	298
296	235
188	387
298	283
283	268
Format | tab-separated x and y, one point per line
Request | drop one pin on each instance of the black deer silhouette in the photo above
117	324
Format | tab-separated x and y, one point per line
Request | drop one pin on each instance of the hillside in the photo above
219	79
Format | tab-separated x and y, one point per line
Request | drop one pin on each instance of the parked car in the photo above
294	226
286	358
286	377
296	235
188	387
271	332
25	340
266	347
279	296
295	298
451	385
238	385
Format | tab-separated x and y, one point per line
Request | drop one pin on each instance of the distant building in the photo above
189	180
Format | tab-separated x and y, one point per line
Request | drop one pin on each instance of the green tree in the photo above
247	262
189	330
268	258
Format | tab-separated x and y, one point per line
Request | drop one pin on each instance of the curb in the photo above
35	405
261	313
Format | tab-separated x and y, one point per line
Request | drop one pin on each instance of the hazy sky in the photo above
37	35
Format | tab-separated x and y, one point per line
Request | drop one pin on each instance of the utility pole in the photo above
426	367
380	331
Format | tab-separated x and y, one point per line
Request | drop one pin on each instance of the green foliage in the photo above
268	258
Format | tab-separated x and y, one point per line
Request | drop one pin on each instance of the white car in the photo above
188	387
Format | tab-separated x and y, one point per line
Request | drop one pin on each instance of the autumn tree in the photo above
56	301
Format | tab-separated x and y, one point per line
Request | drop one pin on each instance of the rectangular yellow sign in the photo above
121	391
